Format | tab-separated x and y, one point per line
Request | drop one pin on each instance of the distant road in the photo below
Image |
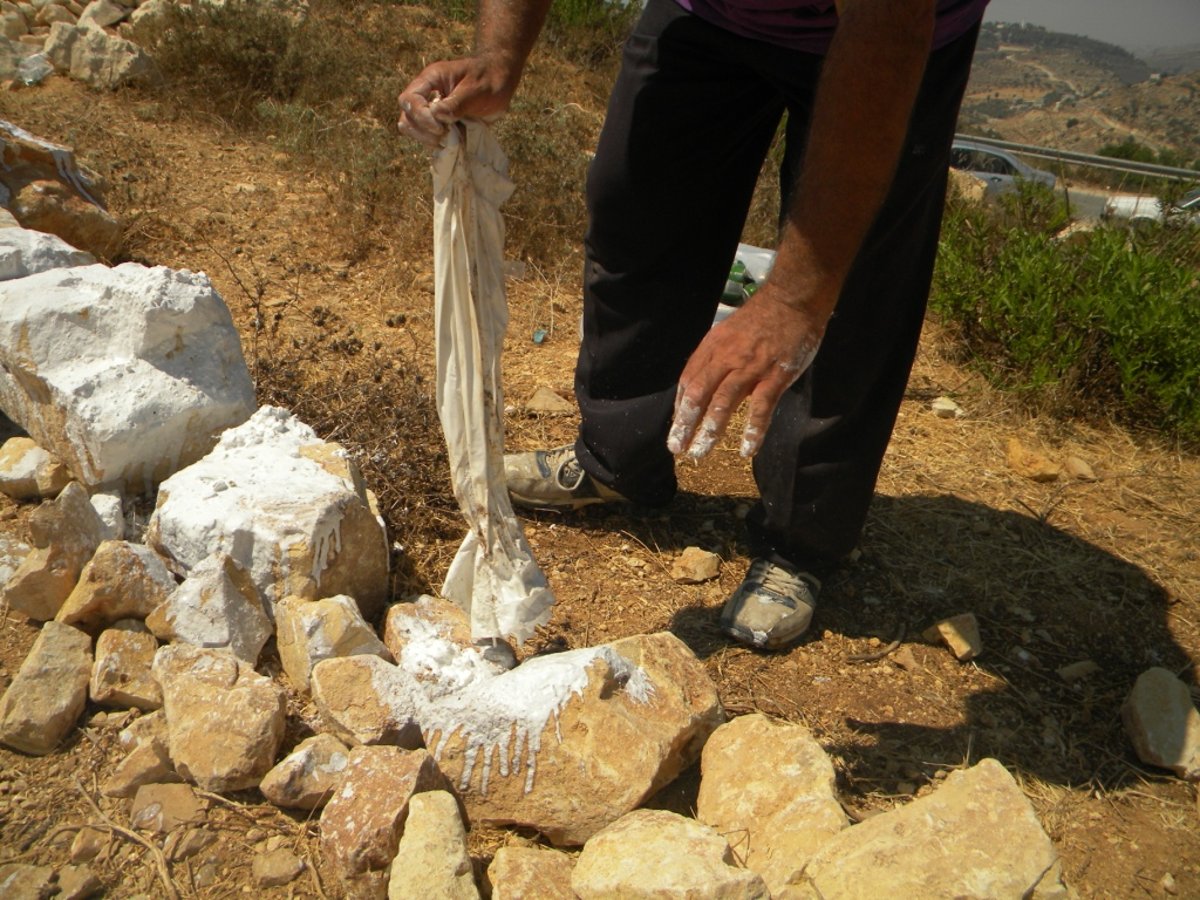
1086	204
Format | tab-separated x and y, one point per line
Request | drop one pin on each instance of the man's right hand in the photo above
454	89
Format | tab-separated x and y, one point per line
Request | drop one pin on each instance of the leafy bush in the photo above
1101	323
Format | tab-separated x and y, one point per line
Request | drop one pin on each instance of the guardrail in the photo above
1087	159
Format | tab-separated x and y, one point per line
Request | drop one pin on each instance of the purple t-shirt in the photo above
808	25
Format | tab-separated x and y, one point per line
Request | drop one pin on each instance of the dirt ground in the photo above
1057	573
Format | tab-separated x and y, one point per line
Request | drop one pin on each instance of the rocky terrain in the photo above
1021	614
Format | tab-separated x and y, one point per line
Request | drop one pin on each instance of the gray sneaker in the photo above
772	607
553	479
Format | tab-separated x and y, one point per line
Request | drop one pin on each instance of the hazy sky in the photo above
1128	23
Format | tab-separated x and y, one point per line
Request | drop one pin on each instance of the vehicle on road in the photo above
999	170
1142	208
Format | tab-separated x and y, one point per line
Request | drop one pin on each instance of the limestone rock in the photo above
547	403
65	533
1163	724
1029	463
77	883
366	700
148	760
695	566
770	784
12	25
20	881
49	691
12	553
307	777
27	472
121	673
423	619
517	873
432	858
95	57
569	742
103	13
287	505
960	633
165	807
946	408
224	719
126	374
121	581
216	606
976	836
654	853
110	507
309	631
1079	469
276	868
362	824
24	251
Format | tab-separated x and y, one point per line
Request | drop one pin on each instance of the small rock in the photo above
1079	469
164	807
216	606
1167	883
77	883
110	507
309	631
25	882
656	853
1163	724
366	700
517	873
546	402
27	472
1029	463
945	408
1077	671
773	785
186	844
276	867
122	580
306	778
121	674
224	719
975	836
49	691
695	566
432	858
960	633
88	843
103	13
66	532
147	761
362	823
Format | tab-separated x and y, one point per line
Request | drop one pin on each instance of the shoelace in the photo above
565	466
778	580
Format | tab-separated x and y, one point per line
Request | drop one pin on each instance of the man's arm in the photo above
482	84
864	100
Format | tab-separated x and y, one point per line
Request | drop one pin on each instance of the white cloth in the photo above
493	576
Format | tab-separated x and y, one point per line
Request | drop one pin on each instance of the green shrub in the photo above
1102	323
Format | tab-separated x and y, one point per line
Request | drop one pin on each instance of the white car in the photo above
1139	208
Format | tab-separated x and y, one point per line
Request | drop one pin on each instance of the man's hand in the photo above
450	90
478	86
756	353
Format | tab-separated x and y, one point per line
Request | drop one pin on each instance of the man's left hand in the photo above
756	354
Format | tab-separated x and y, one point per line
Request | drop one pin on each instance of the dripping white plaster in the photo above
458	692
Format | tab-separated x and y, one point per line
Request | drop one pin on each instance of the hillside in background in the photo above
1040	87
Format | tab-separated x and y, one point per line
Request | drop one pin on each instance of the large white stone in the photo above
26	252
125	374
285	504
94	56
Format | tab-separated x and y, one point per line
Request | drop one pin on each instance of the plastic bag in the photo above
493	576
